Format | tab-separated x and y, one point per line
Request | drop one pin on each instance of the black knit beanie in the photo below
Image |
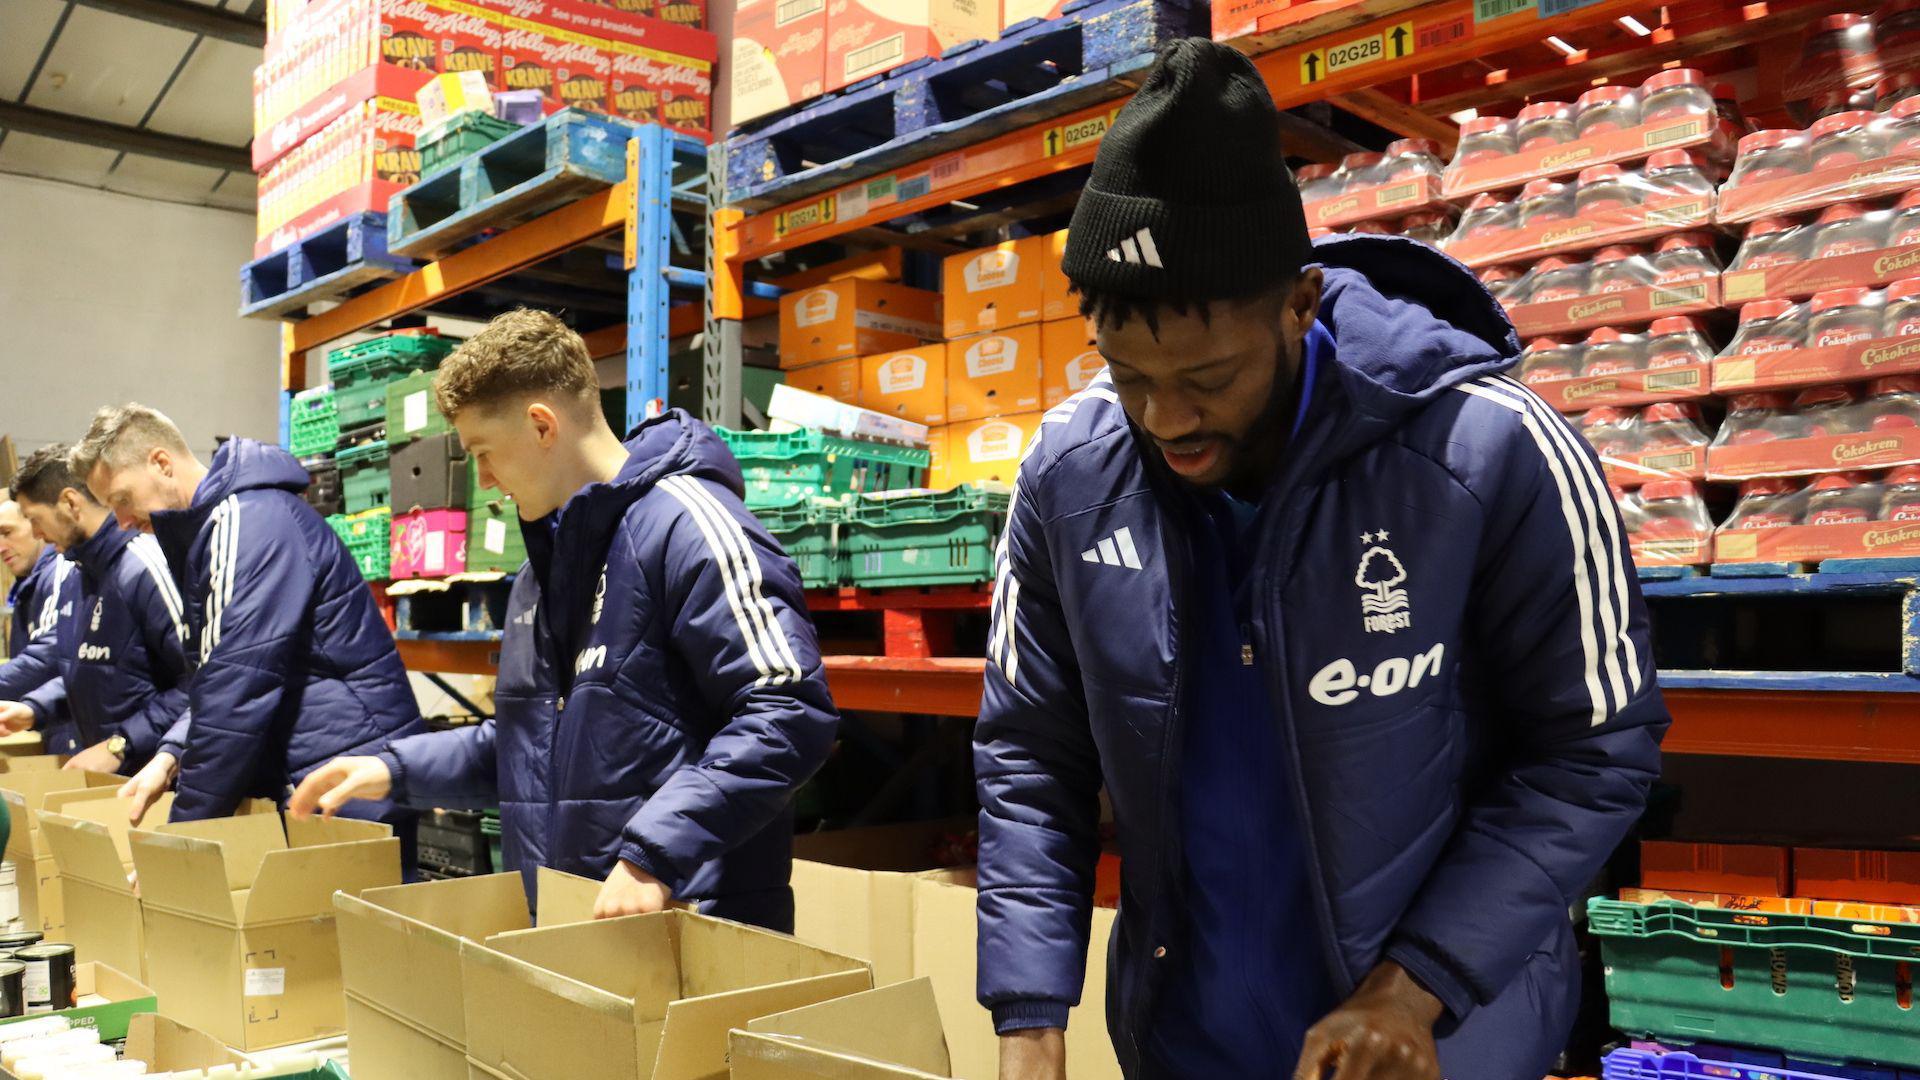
1190	197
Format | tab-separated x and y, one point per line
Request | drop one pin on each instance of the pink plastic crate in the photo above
429	543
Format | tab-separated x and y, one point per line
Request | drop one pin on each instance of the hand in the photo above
630	891
1383	1032
1033	1054
147	785
96	758
338	782
15	716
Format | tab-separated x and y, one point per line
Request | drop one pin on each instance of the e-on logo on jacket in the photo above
1338	683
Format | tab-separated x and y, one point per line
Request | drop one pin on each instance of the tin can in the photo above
21	939
13	1000
9	895
48	977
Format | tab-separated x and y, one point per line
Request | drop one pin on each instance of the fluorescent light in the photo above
1565	49
1634	25
1463	115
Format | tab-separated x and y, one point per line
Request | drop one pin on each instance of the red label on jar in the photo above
1619	285
1906	512
1766	519
1837	248
1845	335
1545	375
1612	367
1907	326
1766	261
1669	278
1671	358
1543	296
1761	346
1905	237
1838	515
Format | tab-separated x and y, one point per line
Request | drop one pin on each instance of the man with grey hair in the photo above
296	666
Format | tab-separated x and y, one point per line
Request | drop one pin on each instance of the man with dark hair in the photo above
125	660
33	688
1340	617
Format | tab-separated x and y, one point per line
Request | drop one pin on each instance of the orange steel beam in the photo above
1811	725
450	657
937	687
1382	108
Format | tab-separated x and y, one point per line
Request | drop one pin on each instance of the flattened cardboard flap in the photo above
527	1023
564	898
184	874
243	843
315	831
633	958
717	956
894	1025
108	810
168	1046
474	908
84	850
751	1056
300	882
693	1046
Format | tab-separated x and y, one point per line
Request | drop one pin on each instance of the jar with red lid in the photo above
1827	410
1842	43
1684	258
1766	156
1766	503
1505	283
1605	189
1485	216
1483	138
1675	95
1618	269
1768	326
1611	432
1846	229
1903	127
1903	308
1558	277
1755	418
1844	140
1671	425
1549	359
1895	89
1841	317
1610	352
1773	241
1842	499
1901	499
1409	159
1679	172
1835	102
1893	402
1672	510
1427	226
1317	183
1543	124
1677	341
1605	109
1361	170
1903	227
1543	202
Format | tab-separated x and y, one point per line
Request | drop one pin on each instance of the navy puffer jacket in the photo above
44	602
129	671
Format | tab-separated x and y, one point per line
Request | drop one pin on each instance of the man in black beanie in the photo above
1340	617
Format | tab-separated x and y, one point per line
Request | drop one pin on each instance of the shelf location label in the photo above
1064	137
1396	42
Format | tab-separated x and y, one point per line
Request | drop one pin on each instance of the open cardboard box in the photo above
882	1034
240	920
93	856
168	1046
647	996
400	963
118	999
28	790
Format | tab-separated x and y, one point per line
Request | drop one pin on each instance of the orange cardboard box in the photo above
995	287
837	379
1056	292
1740	869
855	318
1068	359
779	56
994	374
937	473
1874	877
867	37
988	451
910	384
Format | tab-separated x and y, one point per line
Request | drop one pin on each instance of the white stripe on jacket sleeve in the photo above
764	652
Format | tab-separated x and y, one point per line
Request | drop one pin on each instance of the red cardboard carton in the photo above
868	37
354	165
375	81
1743	869
1606	205
1874	877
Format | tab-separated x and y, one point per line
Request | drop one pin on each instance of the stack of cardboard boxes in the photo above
977	363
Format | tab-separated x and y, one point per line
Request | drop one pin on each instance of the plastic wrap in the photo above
1671	361
1603	205
1664	441
1842	245
1838	516
1851	155
1819	429
1838	336
1667	524
1371	187
1617	285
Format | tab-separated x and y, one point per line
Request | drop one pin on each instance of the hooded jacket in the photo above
294	664
1454	644
44	602
27	597
660	695
129	669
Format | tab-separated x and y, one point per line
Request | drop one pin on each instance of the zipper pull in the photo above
1246	646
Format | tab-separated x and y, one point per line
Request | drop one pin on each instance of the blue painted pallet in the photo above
534	170
1829	566
325	266
1668	573
1825	631
1036	70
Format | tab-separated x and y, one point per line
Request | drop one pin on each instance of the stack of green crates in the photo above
494	543
369	539
924	537
360	373
411	412
458	137
810	531
783	468
364	483
313	422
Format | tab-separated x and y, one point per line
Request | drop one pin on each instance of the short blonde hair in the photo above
521	353
123	435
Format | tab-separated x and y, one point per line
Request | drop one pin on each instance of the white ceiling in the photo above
58	55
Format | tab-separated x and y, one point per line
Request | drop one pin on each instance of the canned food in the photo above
49	977
13	991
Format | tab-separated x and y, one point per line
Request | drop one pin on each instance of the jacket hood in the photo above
97	552
41	568
247	465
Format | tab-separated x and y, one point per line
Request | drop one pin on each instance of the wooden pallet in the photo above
1040	68
331	264
539	168
1811	631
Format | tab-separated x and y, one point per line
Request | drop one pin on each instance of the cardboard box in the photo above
853	890
1632	468
647	996
168	1046
1774	905
568	68
1057	299
452	94
779	56
1681	383
790	407
1875	877
240	920
117	999
1891	175
1375	201
837	379
1069	359
1814	454
1657	216
909	383
93	856
1818	365
995	287
354	165
852	317
988	451
937	471
396	940
869	37
1814	543
1804	277
1744	869
994	374
293	122
886	1033
688	13
428	543
1566	159
659	72
28	790
1628	306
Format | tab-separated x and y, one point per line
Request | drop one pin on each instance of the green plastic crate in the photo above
313	422
458	136
369	539
360	373
925	538
494	547
811	533
364	483
411	413
783	468
1816	988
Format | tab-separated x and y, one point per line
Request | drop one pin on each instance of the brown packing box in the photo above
890	1032
853	317
168	1046
647	996
28	790
240	920
93	855
396	941
853	890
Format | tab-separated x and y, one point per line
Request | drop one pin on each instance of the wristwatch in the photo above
117	746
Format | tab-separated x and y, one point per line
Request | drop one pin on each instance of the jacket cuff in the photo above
1011	1016
397	770
650	861
1436	976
